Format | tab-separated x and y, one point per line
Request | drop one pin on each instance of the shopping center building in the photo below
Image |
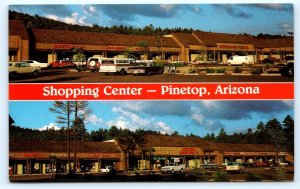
149	152
50	45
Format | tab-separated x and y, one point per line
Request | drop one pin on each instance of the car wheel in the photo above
12	75
148	73
122	72
92	63
291	71
35	73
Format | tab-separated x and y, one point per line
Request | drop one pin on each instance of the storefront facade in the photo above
150	152
50	45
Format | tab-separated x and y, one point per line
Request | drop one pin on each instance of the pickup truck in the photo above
173	167
146	68
22	68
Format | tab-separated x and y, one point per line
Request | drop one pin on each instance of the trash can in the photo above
10	171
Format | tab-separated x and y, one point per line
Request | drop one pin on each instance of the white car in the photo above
235	167
107	169
35	63
173	167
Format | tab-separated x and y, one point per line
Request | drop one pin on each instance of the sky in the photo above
197	117
223	18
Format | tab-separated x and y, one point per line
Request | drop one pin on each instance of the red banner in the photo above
153	91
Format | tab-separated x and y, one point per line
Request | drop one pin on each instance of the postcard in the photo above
151	92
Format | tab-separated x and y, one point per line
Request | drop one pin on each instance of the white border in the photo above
4	182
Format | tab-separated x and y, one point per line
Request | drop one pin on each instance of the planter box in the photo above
214	73
242	74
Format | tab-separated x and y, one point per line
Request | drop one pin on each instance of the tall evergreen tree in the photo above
63	110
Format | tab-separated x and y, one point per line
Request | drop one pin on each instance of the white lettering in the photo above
236	90
170	90
109	90
70	92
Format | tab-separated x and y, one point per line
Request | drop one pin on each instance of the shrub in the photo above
237	70
221	70
210	70
221	176
252	177
281	173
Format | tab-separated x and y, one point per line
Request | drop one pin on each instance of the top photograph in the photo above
141	43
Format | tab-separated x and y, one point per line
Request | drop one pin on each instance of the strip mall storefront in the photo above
51	45
42	163
150	154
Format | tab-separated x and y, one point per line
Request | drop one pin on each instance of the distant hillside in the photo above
39	22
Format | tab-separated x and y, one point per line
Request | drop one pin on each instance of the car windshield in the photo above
232	163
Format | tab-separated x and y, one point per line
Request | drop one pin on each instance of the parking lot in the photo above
263	173
72	76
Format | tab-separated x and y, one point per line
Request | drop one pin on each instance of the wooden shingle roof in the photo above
187	39
95	38
16	27
274	43
210	38
61	146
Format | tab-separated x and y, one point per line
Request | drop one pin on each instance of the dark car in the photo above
62	64
288	70
146	68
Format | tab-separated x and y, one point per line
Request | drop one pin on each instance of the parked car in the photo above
288	70
270	60
62	64
173	167
248	164
108	169
93	63
235	167
36	63
240	60
146	68
22	68
210	166
261	164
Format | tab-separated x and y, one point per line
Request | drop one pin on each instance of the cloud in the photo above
285	27
209	115
129	12
49	126
235	110
74	18
158	108
232	11
133	121
94	120
90	10
274	6
53	17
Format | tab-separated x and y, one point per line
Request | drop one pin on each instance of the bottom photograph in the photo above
151	141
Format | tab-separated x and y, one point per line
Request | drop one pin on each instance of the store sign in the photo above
66	46
116	48
177	151
233	47
249	153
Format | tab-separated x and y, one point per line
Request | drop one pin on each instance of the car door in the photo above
24	68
